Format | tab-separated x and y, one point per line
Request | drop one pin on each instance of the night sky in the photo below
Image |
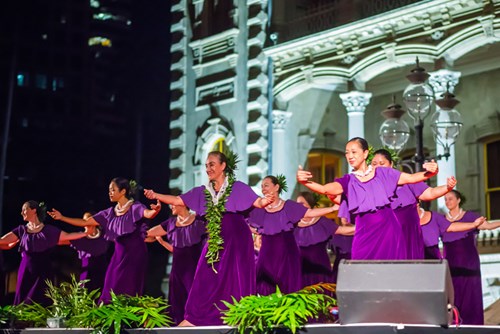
81	115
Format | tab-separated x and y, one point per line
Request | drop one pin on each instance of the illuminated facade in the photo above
286	83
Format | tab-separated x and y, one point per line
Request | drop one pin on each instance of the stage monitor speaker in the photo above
410	292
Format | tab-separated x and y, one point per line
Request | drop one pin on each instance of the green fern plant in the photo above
262	314
125	312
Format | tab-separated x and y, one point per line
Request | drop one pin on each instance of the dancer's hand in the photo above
479	223
451	182
431	167
54	214
150	194
303	176
156	206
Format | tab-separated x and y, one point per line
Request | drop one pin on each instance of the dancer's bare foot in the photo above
185	323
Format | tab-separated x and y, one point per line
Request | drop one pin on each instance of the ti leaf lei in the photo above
213	216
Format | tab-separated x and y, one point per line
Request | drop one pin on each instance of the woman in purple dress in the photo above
435	225
463	258
279	262
313	235
405	204
186	234
125	226
93	254
226	267
37	242
369	192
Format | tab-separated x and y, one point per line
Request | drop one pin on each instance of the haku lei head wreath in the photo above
282	183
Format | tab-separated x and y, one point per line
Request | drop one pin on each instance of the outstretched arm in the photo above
431	194
80	222
431	169
8	241
462	227
490	225
318	212
167	199
332	188
262	202
65	237
155	209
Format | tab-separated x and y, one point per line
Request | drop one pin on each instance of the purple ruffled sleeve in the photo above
115	226
186	236
241	199
468	217
47	238
408	194
370	196
321	231
435	228
195	200
271	223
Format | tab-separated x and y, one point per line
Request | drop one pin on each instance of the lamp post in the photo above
446	122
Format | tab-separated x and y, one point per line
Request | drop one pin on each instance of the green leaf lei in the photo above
213	216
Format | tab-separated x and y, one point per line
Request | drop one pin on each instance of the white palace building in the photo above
288	82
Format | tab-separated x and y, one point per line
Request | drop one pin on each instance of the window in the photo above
492	178
325	167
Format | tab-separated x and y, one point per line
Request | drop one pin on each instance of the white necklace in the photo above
454	217
363	174
182	221
32	228
422	213
217	195
275	206
121	210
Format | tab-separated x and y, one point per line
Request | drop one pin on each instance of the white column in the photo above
355	102
281	162
439	81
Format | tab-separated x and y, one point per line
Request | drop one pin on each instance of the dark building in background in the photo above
84	86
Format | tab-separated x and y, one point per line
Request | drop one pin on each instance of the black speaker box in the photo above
409	292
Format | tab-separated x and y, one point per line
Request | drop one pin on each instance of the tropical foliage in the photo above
262	314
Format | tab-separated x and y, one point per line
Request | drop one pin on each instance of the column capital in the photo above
355	101
281	119
440	79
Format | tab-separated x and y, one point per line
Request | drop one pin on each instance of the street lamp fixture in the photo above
446	122
394	132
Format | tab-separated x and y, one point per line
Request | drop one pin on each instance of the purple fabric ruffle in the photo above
186	236
244	199
38	242
408	194
321	231
116	226
435	228
468	217
371	195
270	223
87	247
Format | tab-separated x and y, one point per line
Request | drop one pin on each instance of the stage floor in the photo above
383	328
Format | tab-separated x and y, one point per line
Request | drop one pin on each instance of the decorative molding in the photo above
355	102
281	119
440	80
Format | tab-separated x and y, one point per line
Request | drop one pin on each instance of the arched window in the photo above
492	178
325	167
